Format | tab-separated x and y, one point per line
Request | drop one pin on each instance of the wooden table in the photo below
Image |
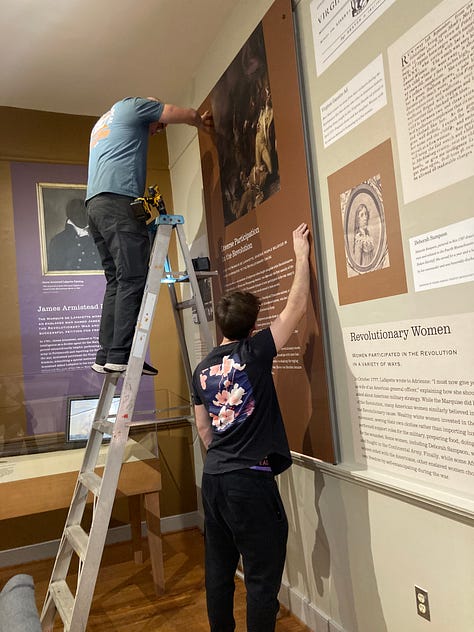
42	482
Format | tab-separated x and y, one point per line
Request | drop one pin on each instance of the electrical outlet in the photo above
422	603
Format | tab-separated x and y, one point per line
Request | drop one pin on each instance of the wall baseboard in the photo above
45	550
305	611
179	522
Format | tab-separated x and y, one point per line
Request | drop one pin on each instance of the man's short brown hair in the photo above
236	314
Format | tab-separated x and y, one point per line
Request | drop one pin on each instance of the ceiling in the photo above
79	56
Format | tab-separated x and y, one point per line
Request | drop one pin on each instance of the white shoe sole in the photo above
98	368
109	367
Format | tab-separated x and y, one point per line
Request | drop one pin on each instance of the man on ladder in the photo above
69	596
117	175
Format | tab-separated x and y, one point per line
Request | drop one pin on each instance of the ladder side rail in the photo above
48	612
203	326
145	318
181	335
94	441
158	256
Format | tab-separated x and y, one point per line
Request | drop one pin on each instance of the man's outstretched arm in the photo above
285	323
173	114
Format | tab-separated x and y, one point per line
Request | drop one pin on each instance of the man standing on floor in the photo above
117	175
239	421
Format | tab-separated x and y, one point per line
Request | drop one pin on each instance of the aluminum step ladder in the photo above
73	604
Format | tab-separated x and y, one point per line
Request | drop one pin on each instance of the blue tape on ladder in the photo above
169	277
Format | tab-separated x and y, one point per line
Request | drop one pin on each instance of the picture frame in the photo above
365	232
67	248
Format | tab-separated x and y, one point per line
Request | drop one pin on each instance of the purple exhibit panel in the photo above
59	310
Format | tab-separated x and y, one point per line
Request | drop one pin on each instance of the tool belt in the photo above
140	211
143	206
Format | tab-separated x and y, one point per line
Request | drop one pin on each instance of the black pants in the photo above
124	247
244	515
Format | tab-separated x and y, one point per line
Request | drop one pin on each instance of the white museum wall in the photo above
355	550
355	555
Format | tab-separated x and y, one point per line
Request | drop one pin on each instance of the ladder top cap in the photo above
170	219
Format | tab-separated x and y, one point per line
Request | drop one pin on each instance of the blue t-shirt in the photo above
118	148
235	384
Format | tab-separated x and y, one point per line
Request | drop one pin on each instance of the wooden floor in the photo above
124	598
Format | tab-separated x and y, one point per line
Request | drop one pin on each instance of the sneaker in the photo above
110	367
98	368
148	369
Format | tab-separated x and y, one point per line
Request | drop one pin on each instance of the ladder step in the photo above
183	277
185	304
63	600
78	539
92	481
105	427
157	422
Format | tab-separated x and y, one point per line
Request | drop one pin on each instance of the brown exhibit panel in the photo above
27	496
256	192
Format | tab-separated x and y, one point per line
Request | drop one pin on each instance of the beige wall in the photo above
59	138
355	549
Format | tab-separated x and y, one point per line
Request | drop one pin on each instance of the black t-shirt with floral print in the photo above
235	384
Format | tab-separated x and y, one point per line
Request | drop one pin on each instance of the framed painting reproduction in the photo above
66	244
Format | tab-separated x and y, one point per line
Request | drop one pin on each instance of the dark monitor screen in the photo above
80	415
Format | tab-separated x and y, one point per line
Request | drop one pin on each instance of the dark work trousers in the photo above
124	247
244	515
